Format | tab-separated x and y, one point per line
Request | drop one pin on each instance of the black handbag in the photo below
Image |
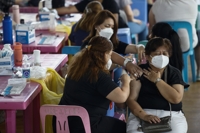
163	126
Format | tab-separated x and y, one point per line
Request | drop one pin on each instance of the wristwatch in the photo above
126	61
157	80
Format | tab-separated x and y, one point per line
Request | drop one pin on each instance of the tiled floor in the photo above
19	123
191	108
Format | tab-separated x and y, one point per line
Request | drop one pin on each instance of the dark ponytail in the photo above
176	59
164	30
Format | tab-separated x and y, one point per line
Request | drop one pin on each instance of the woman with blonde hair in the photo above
81	29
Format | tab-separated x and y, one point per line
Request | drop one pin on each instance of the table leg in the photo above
28	117
11	121
36	114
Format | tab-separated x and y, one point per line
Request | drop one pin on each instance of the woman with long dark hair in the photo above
104	24
82	28
164	30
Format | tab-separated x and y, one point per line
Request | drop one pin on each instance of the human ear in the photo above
97	28
148	58
150	36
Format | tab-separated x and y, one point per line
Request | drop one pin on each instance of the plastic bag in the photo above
52	91
52	87
38	72
64	28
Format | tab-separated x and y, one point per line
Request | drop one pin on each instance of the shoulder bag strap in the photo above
166	82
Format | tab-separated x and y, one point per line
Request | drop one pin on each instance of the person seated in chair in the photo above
173	10
89	84
160	86
81	29
136	26
110	5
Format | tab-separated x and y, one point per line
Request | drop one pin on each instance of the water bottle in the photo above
48	4
36	56
41	5
7	30
52	23
16	15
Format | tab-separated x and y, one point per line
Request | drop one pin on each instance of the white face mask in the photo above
107	33
109	63
160	61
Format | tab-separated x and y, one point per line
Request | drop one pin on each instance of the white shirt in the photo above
178	10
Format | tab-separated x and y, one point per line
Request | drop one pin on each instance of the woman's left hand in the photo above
141	54
151	75
134	70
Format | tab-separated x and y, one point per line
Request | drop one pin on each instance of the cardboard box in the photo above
7	62
124	35
25	34
44	16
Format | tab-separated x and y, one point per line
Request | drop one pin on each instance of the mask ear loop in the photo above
150	62
88	47
98	29
88	10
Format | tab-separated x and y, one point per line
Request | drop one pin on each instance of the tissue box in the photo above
25	34
7	62
44	16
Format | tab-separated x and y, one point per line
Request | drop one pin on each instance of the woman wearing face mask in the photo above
159	85
91	87
164	30
105	25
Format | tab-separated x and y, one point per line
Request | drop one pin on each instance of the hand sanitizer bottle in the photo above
16	14
52	23
26	68
48	4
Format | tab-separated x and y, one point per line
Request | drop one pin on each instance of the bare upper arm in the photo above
67	10
117	58
131	49
152	20
150	2
116	17
117	96
135	86
129	12
180	89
